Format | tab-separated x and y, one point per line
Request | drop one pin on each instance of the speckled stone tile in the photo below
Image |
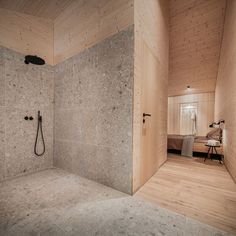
20	139
2	141
77	82
55	202
66	89
117	168
47	190
89	125
112	167
2	78
64	153
78	125
67	124
114	126
124	216
93	111
27	86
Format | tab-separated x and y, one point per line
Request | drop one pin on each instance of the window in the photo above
188	118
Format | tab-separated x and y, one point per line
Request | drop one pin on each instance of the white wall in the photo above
205	113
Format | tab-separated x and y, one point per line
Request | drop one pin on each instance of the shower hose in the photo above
39	129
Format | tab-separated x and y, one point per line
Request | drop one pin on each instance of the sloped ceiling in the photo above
58	29
49	9
196	29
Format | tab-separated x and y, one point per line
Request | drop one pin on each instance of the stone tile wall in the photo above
24	89
93	112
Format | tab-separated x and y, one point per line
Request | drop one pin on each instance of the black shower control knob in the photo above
31	118
26	117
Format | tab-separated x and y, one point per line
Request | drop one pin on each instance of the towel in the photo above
187	148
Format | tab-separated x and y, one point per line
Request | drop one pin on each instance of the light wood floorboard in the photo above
203	191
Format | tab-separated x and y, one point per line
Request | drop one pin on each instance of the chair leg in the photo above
215	150
212	152
220	157
209	149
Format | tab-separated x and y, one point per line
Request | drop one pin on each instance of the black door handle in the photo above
145	114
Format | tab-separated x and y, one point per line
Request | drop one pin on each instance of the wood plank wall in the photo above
41	8
151	22
225	101
196	29
81	25
27	34
205	113
85	23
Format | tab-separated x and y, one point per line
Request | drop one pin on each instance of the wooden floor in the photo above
203	191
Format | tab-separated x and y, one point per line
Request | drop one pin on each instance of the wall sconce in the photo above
217	124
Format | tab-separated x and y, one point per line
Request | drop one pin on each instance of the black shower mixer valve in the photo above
29	118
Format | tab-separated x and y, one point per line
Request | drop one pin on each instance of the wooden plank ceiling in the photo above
196	28
49	9
59	29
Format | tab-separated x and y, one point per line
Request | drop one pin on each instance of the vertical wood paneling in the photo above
151	42
196	28
225	105
27	34
85	23
41	8
205	114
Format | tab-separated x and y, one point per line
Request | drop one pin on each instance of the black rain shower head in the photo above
34	60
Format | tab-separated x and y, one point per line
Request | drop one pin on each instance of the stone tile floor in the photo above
55	202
